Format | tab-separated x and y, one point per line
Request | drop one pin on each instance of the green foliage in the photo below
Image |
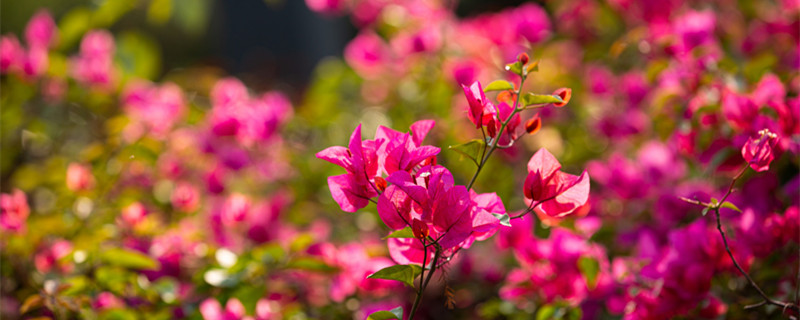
403	273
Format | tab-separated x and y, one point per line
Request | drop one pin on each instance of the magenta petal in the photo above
235	308
394	208
336	155
346	193
403	181
211	309
420	129
407	251
543	162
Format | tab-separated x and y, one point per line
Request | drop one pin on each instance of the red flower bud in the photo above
380	183
523	58
533	124
565	94
419	228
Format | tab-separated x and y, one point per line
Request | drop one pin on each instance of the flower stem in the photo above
423	282
496	139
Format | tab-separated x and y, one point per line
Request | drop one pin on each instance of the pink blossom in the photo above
556	193
107	300
79	177
353	189
35	62
11	54
49	258
41	30
14	211
158	108
212	310
368	54
758	151
476	99
695	28
94	65
531	22
185	197
738	110
326	6
228	92
235	209
133	214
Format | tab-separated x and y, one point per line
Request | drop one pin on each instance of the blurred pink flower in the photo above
41	31
212	310
185	197
14	211
94	64
79	177
11	54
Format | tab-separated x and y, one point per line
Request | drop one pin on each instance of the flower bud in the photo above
533	124
565	94
419	228
523	58
380	183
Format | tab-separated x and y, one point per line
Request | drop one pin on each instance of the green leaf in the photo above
310	264
536	99
705	211
396	313
515	67
471	149
589	268
533	66
714	202
546	312
499	85
402	233
129	259
139	55
73	25
504	219
404	273
731	206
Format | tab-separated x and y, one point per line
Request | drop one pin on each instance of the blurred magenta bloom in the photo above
41	31
94	65
14	211
79	177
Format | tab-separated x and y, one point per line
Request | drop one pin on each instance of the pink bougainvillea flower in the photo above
565	94
477	102
79	177
35	62
235	209
758	151
41	30
107	300
11	54
133	214
554	192
404	151
47	259
368	54
228	92
352	190
14	211
433	205
185	197
738	109
695	28
156	107
212	310
94	65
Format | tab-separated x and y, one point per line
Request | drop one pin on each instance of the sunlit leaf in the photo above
402	233
589	268
499	85
471	149
530	99
504	219
731	206
129	259
404	273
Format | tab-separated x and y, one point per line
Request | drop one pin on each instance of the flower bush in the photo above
581	159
